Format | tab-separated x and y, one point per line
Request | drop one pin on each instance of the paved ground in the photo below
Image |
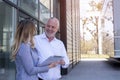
94	70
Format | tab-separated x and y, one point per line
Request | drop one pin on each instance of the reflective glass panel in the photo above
7	27
41	28
30	6
14	1
44	13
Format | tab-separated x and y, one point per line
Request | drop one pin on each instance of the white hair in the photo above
56	20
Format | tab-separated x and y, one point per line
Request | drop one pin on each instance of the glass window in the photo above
30	6
44	13
41	28
46	3
46	10
14	1
7	27
23	16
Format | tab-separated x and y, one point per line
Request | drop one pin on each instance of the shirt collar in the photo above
45	37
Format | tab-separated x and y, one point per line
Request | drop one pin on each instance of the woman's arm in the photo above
27	61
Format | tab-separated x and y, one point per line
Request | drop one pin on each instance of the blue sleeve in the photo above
26	58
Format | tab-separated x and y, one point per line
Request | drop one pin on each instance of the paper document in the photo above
51	59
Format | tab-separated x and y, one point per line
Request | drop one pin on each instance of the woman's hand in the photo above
54	64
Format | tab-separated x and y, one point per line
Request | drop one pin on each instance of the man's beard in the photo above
50	35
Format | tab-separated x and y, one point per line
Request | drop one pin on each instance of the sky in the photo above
84	6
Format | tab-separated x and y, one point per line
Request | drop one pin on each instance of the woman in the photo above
25	54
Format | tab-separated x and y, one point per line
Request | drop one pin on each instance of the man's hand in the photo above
62	62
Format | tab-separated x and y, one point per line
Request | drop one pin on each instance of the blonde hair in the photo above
24	32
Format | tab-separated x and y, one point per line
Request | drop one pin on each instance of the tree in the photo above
92	20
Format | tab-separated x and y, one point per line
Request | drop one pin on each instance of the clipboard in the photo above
50	60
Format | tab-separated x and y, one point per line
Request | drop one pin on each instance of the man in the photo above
47	45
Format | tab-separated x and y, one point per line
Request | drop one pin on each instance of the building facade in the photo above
70	30
116	18
12	11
